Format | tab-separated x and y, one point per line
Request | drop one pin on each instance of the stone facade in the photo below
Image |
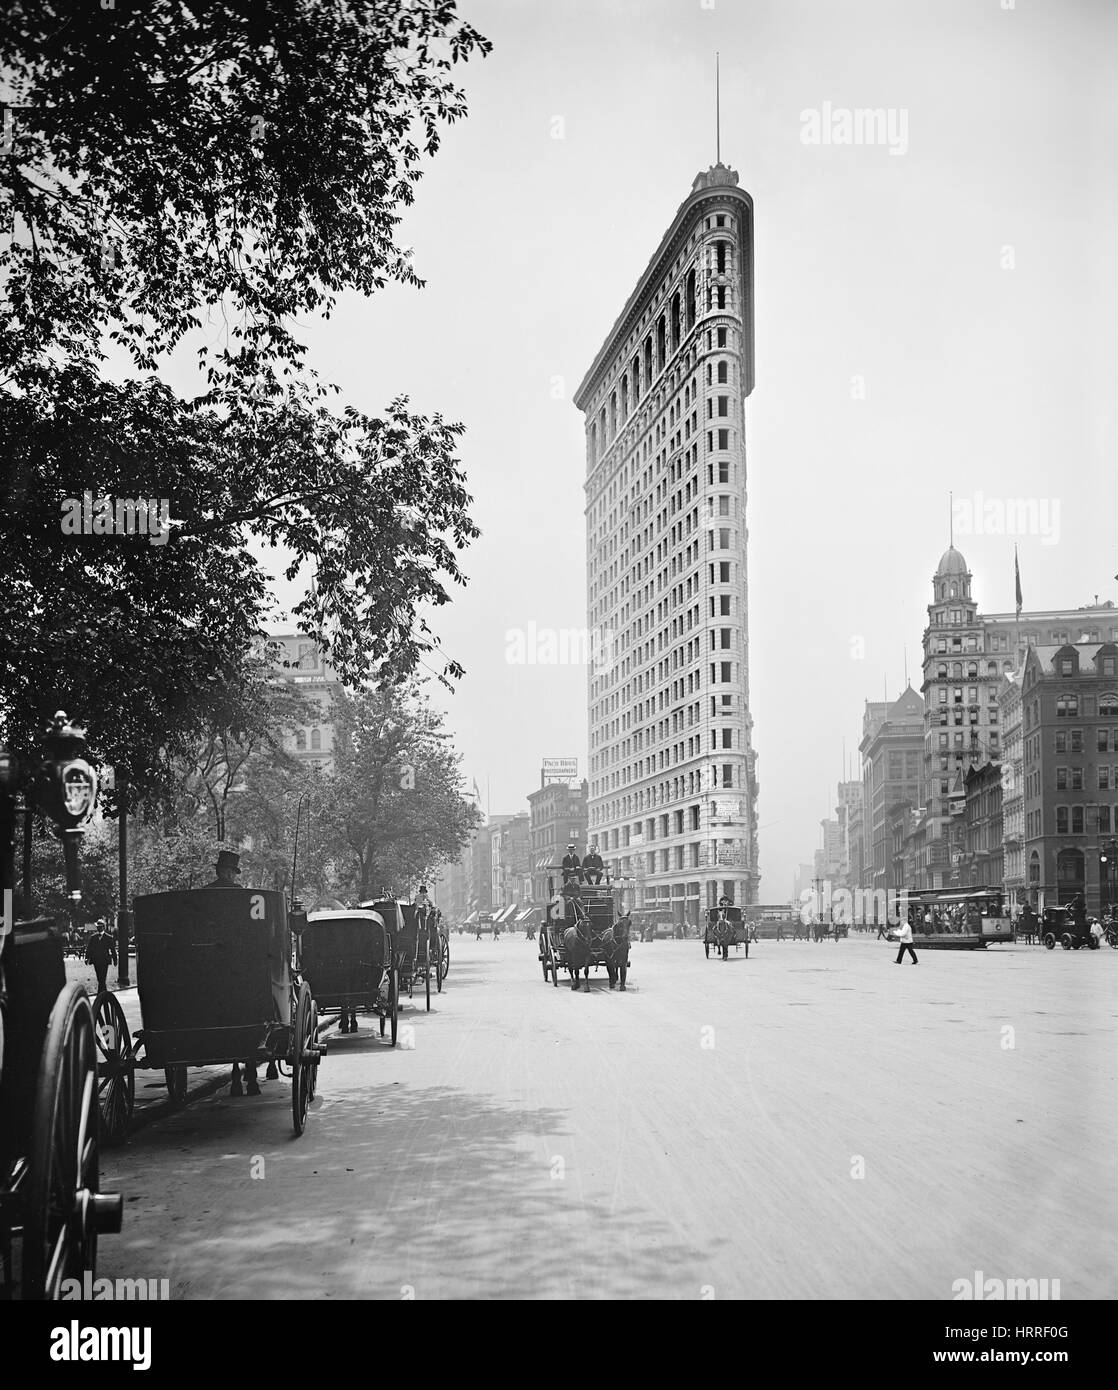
673	787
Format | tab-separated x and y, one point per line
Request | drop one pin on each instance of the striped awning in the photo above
505	913
527	912
470	920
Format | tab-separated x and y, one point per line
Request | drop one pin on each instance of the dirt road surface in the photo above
813	1122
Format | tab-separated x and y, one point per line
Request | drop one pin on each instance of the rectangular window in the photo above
1061	820
1102	740
727	668
721	331
723	439
1061	779
727	774
724	572
1062	742
1077	779
1104	779
723	405
1077	820
1077	740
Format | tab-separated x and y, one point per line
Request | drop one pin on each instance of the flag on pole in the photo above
1017	577
477	793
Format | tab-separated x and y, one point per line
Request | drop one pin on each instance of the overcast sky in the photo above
967	280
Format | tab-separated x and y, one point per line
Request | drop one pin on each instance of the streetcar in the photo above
957	918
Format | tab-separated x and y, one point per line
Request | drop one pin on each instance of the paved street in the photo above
703	1131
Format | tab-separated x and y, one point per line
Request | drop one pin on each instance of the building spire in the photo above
717	113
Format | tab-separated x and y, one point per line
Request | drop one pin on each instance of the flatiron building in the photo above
672	771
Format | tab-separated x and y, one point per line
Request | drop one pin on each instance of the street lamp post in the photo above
295	856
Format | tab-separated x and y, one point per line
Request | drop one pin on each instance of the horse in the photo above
617	952
578	952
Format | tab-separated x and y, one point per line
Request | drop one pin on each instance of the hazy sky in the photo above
968	281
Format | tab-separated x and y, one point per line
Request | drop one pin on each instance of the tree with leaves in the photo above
393	808
173	167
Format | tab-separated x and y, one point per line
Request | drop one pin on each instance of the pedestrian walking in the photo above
100	952
904	936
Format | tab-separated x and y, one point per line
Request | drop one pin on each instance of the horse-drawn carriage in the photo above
585	930
1069	927
52	1209
213	966
725	928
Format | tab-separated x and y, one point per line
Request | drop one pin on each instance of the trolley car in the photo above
957	918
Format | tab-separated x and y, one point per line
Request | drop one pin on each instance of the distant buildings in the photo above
892	752
1069	695
509	860
558	818
301	664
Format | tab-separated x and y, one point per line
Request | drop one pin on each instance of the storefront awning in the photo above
527	912
505	913
470	920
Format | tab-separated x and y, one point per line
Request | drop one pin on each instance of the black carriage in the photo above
216	986
1068	927
52	1210
725	928
600	939
347	957
420	948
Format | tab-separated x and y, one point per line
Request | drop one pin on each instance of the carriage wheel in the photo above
300	1061
427	978
1065	941
175	1078
1050	940
439	967
395	987
446	956
116	1076
554	959
313	1074
65	1212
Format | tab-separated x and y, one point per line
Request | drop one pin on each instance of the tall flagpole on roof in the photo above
717	113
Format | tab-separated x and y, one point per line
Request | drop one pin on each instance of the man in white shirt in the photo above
904	936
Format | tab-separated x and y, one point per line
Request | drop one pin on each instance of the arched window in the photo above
300	740
624	398
648	362
723	373
690	299
661	343
613	415
602	427
316	739
675	322
1108	706
593	443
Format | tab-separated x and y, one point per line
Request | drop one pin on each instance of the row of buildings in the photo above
506	868
1002	771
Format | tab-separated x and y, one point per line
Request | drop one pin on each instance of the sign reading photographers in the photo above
559	770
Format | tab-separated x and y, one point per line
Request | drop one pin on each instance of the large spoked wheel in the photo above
391	1014
303	1058
116	1075
65	1210
175	1078
1050	940
439	972
553	960
1112	937
446	955
1065	941
313	1075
